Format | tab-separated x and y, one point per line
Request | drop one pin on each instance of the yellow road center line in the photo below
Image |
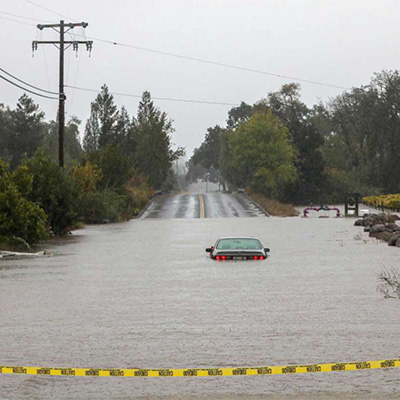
201	203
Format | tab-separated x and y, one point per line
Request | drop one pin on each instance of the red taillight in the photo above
223	257
255	258
261	257
217	258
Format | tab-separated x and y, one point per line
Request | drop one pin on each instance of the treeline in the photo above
285	150
106	179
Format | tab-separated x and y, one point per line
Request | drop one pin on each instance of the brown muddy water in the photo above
145	294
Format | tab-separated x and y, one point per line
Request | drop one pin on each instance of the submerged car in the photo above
237	248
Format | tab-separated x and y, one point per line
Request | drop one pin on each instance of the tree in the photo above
116	169
154	155
364	133
101	127
239	115
72	145
262	155
92	132
18	216
306	138
22	131
53	190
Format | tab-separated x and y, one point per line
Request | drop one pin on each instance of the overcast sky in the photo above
337	42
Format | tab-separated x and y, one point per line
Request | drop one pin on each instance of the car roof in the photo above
237	237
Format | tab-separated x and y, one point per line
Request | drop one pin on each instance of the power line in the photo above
48	9
27	84
27	90
18	22
157	98
21	16
164	53
256	71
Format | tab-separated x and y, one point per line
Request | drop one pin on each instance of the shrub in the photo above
389	283
391	201
53	190
102	206
19	217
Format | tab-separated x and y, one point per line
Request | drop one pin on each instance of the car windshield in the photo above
238	243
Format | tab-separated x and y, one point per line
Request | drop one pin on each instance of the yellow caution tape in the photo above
192	372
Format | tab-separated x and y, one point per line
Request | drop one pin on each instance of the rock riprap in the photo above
381	226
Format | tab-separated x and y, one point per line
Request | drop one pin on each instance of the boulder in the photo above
398	242
378	228
359	222
368	222
395	237
383	218
376	232
367	229
386	236
394	227
393	218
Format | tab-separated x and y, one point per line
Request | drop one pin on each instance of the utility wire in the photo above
47	9
22	16
27	84
164	53
18	22
156	98
203	60
27	90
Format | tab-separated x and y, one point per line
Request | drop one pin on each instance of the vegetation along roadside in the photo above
108	179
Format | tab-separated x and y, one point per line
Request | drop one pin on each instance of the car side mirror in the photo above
266	250
208	250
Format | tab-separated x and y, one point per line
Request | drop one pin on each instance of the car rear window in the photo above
234	244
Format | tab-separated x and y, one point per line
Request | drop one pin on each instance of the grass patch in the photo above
274	207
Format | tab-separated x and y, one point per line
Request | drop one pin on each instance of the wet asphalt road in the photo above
145	294
215	205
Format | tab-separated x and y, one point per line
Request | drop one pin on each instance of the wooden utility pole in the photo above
63	29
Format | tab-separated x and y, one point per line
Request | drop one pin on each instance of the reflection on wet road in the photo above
216	205
144	294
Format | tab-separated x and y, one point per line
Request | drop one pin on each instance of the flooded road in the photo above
145	294
210	205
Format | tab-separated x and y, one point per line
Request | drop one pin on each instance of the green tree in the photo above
262	155
297	117
116	168
72	145
365	124
18	216
239	115
22	131
154	155
101	127
53	190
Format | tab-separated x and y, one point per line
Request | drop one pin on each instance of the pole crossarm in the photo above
65	42
66	25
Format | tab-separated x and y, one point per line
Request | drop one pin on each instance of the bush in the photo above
391	201
53	190
19	217
137	194
389	284
103	206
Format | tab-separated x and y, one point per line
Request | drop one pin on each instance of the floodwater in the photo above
144	294
216	205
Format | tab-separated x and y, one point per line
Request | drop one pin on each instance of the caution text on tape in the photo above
197	372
